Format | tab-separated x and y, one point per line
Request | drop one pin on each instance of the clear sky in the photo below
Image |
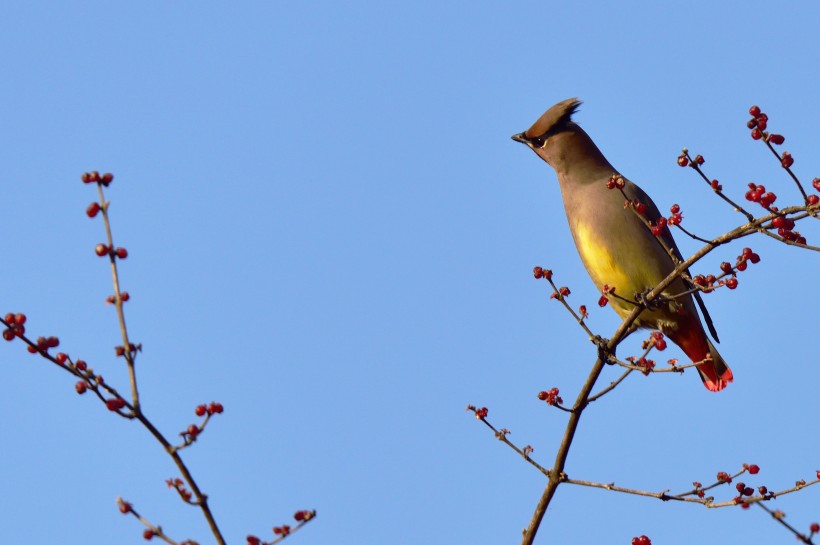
331	233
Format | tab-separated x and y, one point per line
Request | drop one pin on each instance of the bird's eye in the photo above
539	142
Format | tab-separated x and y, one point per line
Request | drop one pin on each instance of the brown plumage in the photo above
616	247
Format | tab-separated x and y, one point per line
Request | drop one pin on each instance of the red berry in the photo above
754	469
776	139
754	111
81	387
767	199
122	253
101	249
115	403
787	160
756	134
93	209
200	410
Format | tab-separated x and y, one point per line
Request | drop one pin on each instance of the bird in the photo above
616	247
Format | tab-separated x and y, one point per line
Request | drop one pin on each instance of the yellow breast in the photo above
599	261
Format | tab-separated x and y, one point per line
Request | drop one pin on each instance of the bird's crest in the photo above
554	118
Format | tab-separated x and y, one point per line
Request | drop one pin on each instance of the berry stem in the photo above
792	529
129	354
788	169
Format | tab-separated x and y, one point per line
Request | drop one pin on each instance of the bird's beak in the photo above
520	138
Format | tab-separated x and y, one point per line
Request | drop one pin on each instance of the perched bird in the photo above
616	247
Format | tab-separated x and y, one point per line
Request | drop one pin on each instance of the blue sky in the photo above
331	233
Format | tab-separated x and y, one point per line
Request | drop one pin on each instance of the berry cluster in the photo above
643	362
192	432
562	292
95	177
655	340
711	282
605	291
758	124
785	228
15	326
677	215
551	397
284	530
758	194
683	160
539	273
103	250
657	226
616	181
179	485
210	408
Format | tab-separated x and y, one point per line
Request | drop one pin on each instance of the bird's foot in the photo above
657	302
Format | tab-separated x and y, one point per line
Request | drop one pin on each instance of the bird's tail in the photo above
715	375
691	337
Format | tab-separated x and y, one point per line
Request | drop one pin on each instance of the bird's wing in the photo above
634	192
